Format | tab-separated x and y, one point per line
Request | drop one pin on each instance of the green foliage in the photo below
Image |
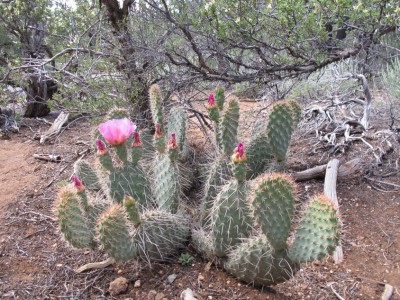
390	79
185	259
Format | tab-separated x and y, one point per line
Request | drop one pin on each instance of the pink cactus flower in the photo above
238	153
136	140
77	183
158	132
172	142
116	131
101	147
211	101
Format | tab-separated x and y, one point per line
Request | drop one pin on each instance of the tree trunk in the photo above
137	85
38	92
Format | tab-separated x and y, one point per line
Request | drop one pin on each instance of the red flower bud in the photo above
158	132
136	140
211	101
238	153
172	142
101	147
77	183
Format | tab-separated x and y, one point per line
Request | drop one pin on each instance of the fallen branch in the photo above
330	191
48	157
346	170
55	128
96	265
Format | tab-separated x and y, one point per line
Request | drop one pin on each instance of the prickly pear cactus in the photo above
124	219
251	224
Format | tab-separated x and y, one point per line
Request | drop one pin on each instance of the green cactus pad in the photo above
147	141
273	204
177	125
132	210
113	232
318	231
220	97
156	105
219	173
257	263
230	221
74	223
259	155
130	180
160	235
167	189
280	127
85	172
229	126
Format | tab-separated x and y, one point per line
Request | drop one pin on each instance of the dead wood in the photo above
48	157
96	265
330	191
346	170
55	128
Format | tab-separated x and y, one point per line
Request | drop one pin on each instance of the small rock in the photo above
171	278
188	295
137	284
128	298
159	296
118	286
151	295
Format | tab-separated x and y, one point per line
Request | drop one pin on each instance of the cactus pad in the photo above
273	205
72	219
230	221
318	231
167	190
160	235
130	180
113	231
256	262
229	127
85	172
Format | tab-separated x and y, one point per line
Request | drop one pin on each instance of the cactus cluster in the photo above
247	225
251	224
136	214
130	202
266	149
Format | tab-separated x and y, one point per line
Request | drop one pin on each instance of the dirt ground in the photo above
35	263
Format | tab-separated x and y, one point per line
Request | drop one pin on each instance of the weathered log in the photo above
55	128
330	191
346	170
